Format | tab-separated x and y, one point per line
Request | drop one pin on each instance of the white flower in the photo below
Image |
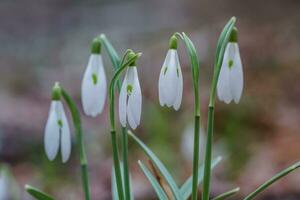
170	84
230	84
130	99
57	132
93	88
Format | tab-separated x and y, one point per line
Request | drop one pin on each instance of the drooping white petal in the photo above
223	85
131	120
161	94
171	79
236	75
178	98
94	86
102	84
51	138
65	137
123	101
135	101
161	81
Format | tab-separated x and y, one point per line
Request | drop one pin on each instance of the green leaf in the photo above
115	59
113	55
273	180
37	194
193	58
227	194
223	40
114	190
160	166
186	188
156	186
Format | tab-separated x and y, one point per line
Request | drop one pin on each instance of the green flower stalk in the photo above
192	52
57	124
123	65
222	43
116	65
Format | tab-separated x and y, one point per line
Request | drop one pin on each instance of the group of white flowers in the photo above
170	89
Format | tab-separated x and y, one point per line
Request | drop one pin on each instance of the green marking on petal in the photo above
95	78
60	123
129	89
230	63
177	70
165	70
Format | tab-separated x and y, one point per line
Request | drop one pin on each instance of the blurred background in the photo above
44	41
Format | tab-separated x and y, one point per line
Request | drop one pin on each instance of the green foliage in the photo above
156	186
227	194
37	194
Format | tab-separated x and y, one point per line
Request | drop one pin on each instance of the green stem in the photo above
208	154
116	61
196	158
222	43
192	52
77	124
117	164
273	180
113	82
125	163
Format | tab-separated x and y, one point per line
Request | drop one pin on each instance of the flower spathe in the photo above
94	86
170	84
230	83
130	99
57	132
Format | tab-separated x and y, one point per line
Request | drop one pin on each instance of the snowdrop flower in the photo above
230	84
93	88
170	84
57	131
130	99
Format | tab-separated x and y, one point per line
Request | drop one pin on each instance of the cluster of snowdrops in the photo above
227	84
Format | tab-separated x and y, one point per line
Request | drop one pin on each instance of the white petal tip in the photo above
176	108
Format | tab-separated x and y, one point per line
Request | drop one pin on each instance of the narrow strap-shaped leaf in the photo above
114	190
37	194
192	52
115	59
273	180
227	194
113	55
223	40
156	186
160	166
186	188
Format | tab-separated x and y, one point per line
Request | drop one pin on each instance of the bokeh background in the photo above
43	41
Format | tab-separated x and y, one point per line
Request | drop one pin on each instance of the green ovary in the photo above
94	78
60	123
230	63
129	89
